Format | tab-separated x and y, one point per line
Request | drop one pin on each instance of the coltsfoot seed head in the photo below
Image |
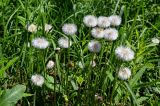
32	28
110	34
69	29
40	43
90	20
124	53
93	63
94	46
81	65
50	64
57	50
97	32
155	40
103	22
124	73
48	27
37	80
115	20
64	42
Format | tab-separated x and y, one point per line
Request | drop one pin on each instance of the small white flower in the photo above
97	32
64	42
50	64
93	63
37	80
155	41
115	20
103	22
40	43
90	21
69	29
96	95
32	28
110	34
47	27
124	53
81	65
94	46
124	73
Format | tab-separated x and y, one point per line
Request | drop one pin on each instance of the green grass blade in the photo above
131	92
139	74
10	63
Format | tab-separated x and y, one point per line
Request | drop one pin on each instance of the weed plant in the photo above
70	79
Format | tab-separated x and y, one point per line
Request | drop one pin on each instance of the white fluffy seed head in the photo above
90	20
103	22
81	65
124	53
40	43
37	80
69	29
115	20
32	28
110	34
93	63
97	32
94	46
155	40
47	27
124	73
64	42
50	64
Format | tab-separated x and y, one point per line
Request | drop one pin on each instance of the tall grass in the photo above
67	83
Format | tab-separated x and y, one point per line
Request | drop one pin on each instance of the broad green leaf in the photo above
52	85
11	96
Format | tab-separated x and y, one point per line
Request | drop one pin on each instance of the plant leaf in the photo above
50	83
11	96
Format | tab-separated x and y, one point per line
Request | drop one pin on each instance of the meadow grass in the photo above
67	83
